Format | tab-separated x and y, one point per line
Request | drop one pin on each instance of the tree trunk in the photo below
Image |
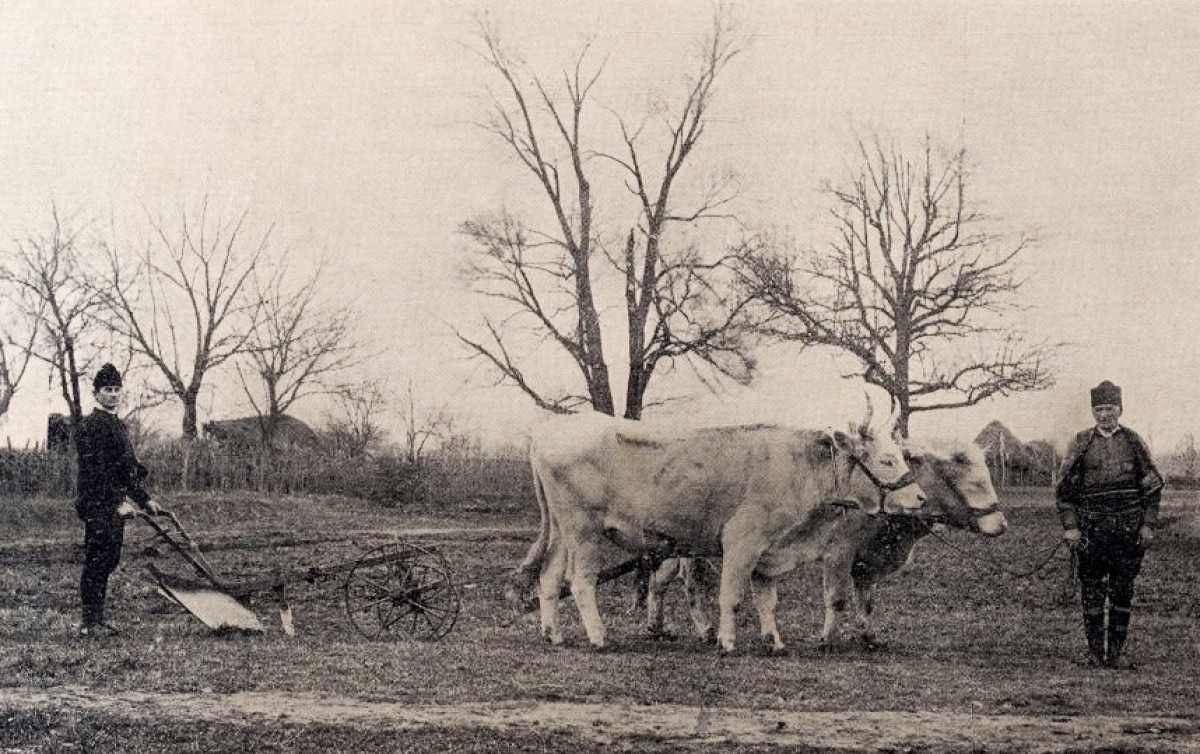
189	415
270	426
599	386
633	395
69	382
635	384
635	390
903	399
186	471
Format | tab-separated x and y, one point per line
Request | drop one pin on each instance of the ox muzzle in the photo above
902	496
987	520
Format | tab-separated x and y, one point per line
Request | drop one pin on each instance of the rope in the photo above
1047	556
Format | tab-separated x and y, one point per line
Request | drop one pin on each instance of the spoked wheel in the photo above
401	590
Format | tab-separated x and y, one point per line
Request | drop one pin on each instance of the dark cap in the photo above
108	376
1106	394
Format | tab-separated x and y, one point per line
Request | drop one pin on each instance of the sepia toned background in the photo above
354	130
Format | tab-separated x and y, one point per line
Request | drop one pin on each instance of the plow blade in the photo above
214	608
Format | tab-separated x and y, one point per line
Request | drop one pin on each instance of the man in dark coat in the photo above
108	474
1108	500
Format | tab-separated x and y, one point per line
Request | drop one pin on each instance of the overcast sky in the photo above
350	126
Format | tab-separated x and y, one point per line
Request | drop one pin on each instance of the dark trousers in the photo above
1109	561
102	539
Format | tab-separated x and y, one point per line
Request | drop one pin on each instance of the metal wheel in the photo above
401	590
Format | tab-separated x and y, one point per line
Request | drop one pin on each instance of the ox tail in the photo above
519	588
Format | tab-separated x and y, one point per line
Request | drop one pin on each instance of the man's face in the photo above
1106	416
109	396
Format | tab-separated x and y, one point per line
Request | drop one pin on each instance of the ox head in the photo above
878	477
959	488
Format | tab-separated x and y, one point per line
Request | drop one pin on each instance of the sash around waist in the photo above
1091	509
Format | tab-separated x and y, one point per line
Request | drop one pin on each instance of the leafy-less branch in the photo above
298	345
181	298
912	269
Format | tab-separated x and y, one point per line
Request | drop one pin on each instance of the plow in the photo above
396	590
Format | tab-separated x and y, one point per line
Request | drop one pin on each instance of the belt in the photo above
1136	505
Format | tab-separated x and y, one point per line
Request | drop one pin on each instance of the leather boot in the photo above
1093	628
1118	628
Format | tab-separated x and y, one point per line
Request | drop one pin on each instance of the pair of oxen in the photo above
763	499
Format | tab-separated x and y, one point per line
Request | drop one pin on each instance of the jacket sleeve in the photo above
1151	484
133	487
90	487
1066	492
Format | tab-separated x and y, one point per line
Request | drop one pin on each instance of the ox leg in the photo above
584	568
697	585
553	570
656	586
735	577
766	599
742	548
865	588
838	593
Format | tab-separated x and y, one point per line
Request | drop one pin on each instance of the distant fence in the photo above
200	466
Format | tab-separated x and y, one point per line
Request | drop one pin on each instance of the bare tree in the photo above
182	299
17	339
422	425
676	304
912	287
13	371
297	346
45	285
354	427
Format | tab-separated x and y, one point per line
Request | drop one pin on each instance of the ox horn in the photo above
869	416
894	416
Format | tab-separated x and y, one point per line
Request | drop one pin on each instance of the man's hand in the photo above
1145	536
153	508
126	509
1072	537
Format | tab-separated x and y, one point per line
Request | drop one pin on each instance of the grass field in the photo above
964	639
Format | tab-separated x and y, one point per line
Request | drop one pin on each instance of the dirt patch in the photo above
680	724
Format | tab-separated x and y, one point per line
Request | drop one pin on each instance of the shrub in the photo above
445	479
36	472
393	480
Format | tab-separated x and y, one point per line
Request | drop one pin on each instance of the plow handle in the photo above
191	553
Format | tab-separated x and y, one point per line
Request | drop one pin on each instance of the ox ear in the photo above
843	440
833	440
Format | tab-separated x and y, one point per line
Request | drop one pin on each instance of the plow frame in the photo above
395	590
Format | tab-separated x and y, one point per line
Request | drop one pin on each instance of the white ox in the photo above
736	492
858	551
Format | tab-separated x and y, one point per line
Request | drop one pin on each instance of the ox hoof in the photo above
771	645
